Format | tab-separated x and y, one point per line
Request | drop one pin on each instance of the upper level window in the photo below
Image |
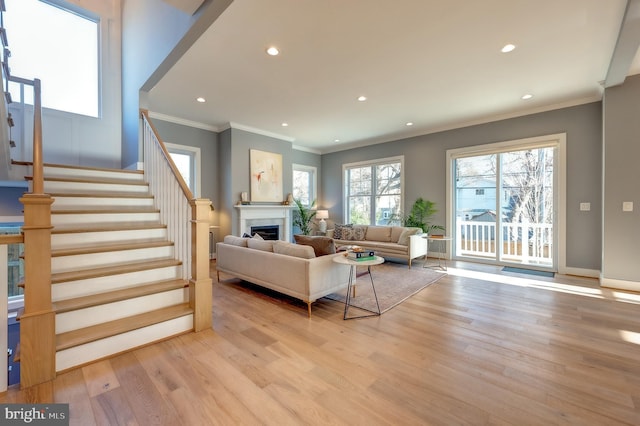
304	184
373	191
57	43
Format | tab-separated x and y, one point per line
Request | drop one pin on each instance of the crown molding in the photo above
238	126
184	122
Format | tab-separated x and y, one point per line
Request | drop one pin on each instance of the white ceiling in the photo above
435	63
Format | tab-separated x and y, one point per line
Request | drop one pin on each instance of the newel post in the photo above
200	285
37	323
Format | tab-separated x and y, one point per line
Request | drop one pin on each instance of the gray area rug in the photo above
394	283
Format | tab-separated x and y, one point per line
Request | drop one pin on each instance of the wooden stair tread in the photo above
62	306
101	331
108	209
106	227
91	180
114	194
107	247
65	166
112	270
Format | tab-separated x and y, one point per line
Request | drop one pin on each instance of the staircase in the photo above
115	280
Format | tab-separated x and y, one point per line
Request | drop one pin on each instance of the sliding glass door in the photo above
504	202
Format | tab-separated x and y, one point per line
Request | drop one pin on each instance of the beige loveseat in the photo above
287	268
387	241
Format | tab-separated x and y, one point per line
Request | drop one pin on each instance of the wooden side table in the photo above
352	277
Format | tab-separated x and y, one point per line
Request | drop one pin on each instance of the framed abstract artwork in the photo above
266	176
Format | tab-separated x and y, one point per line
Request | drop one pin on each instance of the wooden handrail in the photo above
11	239
183	185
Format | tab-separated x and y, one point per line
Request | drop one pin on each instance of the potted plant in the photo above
420	216
303	216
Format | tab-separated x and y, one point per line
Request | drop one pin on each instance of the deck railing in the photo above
529	243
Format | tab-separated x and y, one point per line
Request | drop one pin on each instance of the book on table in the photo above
361	255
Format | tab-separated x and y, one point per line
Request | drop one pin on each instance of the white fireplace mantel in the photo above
279	213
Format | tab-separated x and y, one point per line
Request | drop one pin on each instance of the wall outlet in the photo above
627	206
585	207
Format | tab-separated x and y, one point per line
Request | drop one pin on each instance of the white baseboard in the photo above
619	284
580	272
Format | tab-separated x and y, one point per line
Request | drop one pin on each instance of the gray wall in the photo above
207	141
234	154
154	36
621	233
425	169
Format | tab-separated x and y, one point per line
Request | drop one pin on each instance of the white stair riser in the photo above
99	349
90	239
86	203
61	187
94	315
103	218
111	258
87	287
63	172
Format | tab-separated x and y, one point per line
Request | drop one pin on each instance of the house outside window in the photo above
304	184
373	191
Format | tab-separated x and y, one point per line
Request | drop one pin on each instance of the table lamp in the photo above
322	215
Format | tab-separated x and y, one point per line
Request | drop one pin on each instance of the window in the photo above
479	191
57	43
304	184
187	160
373	191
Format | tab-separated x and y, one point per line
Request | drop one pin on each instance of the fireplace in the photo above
267	232
259	215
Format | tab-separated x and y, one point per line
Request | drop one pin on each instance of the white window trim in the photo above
387	160
558	141
186	149
314	172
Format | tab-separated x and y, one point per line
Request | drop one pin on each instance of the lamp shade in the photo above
322	214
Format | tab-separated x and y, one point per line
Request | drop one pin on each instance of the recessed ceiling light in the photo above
409	123
285	124
527	96
508	48
362	98
201	99
336	140
273	51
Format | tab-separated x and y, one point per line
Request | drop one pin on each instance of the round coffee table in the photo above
352	277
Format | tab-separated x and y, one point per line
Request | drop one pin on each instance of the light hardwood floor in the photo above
478	347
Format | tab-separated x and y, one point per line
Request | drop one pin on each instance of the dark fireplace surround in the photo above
267	232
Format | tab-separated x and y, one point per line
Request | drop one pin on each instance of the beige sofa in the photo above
287	268
387	241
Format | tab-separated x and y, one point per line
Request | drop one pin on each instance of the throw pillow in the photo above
337	230
378	233
257	236
259	244
404	237
321	245
290	249
356	233
236	241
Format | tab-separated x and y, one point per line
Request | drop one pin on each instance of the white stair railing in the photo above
171	193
